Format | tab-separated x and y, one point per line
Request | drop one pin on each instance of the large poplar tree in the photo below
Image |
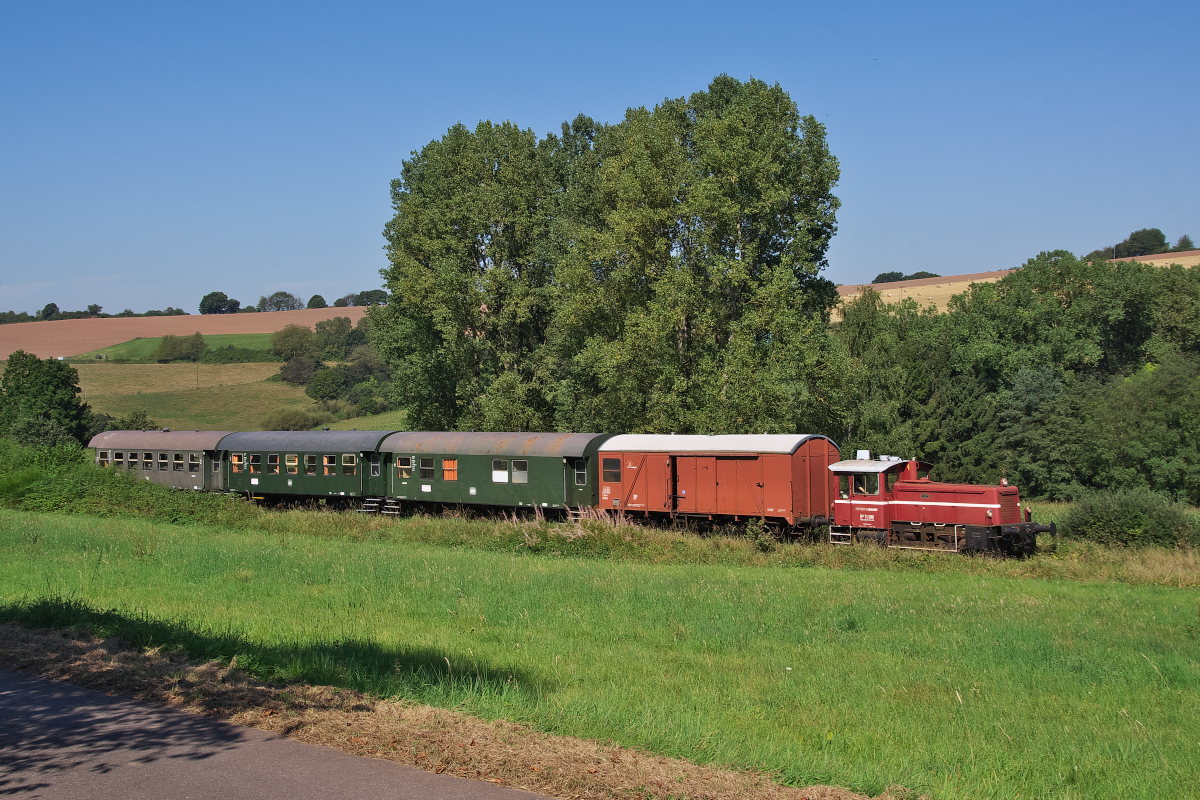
657	274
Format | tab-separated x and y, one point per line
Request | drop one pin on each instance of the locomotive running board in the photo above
959	538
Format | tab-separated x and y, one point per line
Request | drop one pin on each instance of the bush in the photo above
328	384
1131	519
292	341
238	355
180	348
298	371
295	419
40	432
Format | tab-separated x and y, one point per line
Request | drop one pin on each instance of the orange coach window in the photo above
329	463
237	460
449	469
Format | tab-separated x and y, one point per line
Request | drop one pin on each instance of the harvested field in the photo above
100	380
70	337
229	407
418	735
934	292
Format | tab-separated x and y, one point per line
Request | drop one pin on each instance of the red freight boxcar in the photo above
782	478
892	502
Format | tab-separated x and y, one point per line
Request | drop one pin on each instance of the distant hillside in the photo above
70	337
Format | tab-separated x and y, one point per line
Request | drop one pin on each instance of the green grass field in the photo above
951	683
138	351
215	408
387	421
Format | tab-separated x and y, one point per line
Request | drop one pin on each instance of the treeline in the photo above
220	303
51	311
1145	242
662	274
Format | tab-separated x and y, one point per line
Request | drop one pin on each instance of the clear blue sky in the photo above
153	152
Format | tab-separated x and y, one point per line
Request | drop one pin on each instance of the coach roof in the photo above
158	440
726	443
496	444
305	441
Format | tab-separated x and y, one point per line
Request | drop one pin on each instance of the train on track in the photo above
795	483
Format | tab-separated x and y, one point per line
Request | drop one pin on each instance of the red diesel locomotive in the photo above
892	502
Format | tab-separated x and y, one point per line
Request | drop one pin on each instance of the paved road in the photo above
61	741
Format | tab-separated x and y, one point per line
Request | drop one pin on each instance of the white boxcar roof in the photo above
694	443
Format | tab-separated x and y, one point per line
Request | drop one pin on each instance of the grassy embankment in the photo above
956	676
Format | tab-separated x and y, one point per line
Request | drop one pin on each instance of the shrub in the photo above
328	384
180	348
41	432
295	419
238	355
299	370
294	340
1133	518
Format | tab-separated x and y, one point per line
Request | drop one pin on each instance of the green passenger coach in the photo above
543	470
308	463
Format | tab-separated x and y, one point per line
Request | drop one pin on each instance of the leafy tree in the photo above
1183	243
42	432
328	384
218	303
94	310
657	274
371	297
331	336
888	277
298	370
346	300
280	301
49	312
180	348
41	389
294	340
316	301
922	274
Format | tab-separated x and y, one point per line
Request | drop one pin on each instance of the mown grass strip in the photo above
952	683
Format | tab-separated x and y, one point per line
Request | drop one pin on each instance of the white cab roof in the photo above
693	443
871	465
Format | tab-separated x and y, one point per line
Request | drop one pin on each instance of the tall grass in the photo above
951	683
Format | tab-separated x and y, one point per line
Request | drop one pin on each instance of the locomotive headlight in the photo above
989	513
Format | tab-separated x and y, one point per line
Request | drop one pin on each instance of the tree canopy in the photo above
218	303
41	396
657	274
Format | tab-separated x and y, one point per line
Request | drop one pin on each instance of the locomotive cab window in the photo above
310	465
349	464
844	487
427	469
612	470
177	462
403	466
273	464
328	465
237	462
102	457
580	472
292	462
193	462
892	477
520	473
255	463
499	470
866	483
449	469
164	462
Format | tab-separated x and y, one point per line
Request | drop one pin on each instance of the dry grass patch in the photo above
236	407
99	380
421	736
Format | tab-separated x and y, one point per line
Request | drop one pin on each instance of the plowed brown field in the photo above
70	337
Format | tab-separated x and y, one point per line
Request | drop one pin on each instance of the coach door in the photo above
739	487
695	482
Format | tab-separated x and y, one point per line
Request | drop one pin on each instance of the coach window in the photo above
328	465
349	464
216	462
310	465
237	461
612	470
403	466
102	457
866	483
499	470
520	471
193	462
255	463
164	462
580	472
177	462
273	463
449	469
118	460
374	466
292	461
147	461
427	469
